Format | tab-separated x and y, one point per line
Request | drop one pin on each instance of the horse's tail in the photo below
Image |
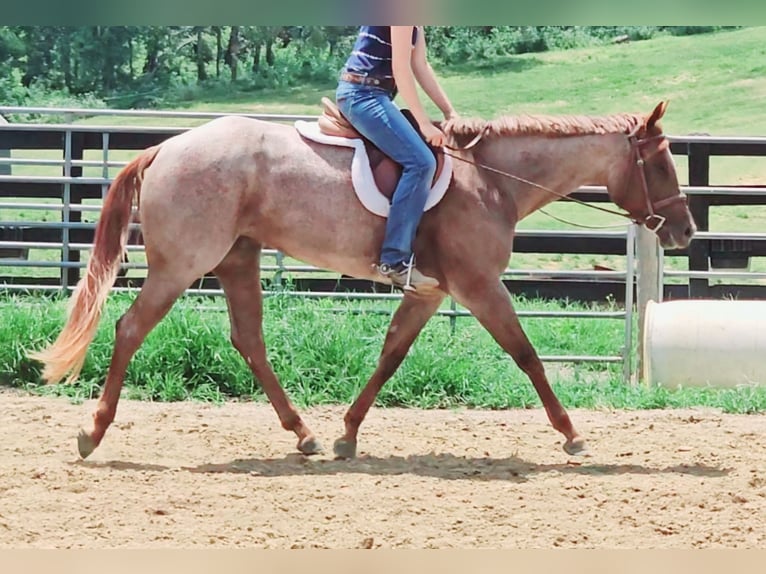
67	353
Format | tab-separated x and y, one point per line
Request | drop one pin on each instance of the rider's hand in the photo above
433	135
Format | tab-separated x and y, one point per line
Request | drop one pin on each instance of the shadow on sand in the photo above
443	466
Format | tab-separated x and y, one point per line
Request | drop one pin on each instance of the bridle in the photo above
651	208
652	220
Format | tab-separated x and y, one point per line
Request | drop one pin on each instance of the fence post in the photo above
699	251
5	168
649	278
76	152
66	199
630	284
280	260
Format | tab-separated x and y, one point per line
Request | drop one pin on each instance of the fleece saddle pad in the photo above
361	172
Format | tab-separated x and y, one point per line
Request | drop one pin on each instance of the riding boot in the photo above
406	276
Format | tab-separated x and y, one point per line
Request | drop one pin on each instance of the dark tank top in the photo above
371	55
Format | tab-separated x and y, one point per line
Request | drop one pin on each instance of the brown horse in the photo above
246	183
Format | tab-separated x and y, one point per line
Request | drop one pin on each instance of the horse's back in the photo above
236	176
241	145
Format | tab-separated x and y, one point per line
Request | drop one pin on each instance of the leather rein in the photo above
637	159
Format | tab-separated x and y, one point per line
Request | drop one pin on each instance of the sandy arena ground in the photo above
195	475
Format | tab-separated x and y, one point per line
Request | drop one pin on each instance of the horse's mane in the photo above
543	125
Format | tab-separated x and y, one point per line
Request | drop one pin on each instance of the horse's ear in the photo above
658	112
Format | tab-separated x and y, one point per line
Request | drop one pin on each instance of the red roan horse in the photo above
249	183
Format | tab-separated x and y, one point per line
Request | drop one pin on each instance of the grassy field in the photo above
716	85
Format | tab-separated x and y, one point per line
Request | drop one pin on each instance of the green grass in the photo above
715	82
324	357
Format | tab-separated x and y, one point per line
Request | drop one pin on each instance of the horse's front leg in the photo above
413	313
491	305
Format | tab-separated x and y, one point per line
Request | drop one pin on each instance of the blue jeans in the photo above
373	113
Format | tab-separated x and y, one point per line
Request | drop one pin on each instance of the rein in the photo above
638	160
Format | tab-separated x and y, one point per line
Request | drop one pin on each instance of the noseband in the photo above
657	221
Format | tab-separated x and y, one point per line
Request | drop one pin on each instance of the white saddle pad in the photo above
361	173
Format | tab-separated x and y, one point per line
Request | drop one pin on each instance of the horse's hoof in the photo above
344	449
576	446
309	445
85	444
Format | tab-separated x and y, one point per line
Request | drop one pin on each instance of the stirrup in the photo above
402	276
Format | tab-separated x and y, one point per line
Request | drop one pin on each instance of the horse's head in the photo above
647	187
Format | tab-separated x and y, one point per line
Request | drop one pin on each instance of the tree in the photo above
218	31
258	38
39	44
12	49
231	56
202	52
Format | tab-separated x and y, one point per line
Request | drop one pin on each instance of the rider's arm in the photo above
425	76
401	42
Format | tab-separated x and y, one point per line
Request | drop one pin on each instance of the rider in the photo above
386	60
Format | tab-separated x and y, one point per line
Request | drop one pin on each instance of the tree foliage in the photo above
127	66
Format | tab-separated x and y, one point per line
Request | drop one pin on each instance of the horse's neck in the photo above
560	164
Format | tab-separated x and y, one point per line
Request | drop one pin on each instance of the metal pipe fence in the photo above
69	264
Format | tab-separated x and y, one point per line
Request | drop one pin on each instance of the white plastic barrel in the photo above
699	343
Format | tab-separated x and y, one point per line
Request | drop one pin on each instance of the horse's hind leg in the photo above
493	308
153	302
410	318
239	274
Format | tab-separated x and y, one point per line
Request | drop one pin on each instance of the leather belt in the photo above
384	83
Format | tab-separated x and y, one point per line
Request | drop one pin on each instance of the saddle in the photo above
385	171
